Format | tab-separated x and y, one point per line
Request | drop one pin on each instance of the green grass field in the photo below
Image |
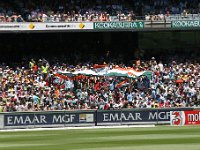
157	138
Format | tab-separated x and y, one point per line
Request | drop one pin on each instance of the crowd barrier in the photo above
86	118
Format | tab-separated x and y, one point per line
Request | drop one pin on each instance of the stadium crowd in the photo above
41	86
90	10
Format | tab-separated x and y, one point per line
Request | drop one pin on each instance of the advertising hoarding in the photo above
179	118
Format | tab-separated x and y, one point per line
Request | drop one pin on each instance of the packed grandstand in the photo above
100	10
83	80
42	86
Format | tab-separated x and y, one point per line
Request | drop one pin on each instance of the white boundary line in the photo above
76	128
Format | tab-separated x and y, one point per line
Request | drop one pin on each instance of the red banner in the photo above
192	117
185	117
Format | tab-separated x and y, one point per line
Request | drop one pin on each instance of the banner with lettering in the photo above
39	26
119	25
48	118
179	118
98	117
185	23
136	115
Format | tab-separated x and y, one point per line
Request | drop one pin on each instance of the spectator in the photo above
72	11
171	85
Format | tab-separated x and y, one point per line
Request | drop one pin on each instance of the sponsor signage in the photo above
179	118
11	27
148	115
53	118
63	26
98	117
186	24
118	25
44	26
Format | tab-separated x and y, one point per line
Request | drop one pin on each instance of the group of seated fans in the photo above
42	86
93	10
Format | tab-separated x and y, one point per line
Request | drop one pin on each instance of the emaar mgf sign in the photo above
88	117
133	116
51	118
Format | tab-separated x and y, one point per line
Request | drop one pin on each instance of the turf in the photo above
157	138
